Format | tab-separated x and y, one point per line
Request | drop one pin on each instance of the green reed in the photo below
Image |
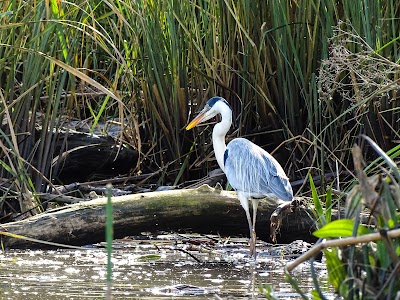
360	254
155	62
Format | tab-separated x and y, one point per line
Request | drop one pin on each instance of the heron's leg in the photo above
255	206
244	201
245	204
253	233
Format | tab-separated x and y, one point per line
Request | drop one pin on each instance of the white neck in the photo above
219	133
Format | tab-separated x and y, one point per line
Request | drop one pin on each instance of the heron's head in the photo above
213	107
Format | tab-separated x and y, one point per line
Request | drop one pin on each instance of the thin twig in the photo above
394	233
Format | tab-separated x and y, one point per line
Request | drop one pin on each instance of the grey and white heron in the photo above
250	170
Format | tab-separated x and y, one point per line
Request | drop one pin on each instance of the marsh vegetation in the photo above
305	80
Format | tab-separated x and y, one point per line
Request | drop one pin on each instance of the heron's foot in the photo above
296	204
281	211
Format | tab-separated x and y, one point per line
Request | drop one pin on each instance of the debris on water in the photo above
202	248
184	290
149	257
166	188
293	249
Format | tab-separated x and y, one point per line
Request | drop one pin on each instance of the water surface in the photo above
163	268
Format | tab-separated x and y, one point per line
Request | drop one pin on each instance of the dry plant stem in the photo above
396	271
278	214
340	243
276	219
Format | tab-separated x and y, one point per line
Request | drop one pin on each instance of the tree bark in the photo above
201	210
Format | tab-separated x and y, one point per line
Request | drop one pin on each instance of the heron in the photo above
250	170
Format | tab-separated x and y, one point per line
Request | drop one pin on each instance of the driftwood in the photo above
201	210
82	157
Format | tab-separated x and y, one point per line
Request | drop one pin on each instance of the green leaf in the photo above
315	295
382	255
7	168
335	267
382	154
328	205
54	7
268	292
319	212
295	284
340	228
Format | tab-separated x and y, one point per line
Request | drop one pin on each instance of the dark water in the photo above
159	269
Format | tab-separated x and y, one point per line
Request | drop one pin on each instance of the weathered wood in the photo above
202	210
83	157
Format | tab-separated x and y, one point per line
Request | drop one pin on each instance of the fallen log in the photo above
201	210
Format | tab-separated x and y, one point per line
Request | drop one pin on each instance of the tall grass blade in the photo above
109	240
58	245
383	155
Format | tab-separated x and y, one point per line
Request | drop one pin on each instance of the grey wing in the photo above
252	170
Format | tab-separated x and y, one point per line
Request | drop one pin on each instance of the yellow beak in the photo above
196	121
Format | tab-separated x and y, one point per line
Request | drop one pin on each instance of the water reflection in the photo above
144	271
